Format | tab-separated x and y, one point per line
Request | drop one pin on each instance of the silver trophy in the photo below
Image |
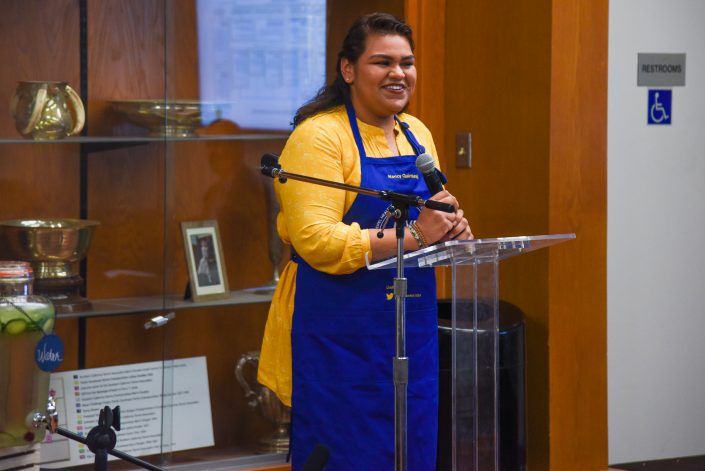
270	406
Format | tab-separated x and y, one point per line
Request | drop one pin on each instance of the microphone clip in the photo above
270	166
442	176
391	212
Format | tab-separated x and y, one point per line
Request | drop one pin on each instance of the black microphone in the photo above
427	166
318	458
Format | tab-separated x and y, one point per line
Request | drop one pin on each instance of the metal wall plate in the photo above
463	150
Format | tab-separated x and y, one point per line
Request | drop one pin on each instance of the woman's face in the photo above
383	78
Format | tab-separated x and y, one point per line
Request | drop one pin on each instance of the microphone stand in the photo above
100	440
399	210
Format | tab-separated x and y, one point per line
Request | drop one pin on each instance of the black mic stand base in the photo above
100	440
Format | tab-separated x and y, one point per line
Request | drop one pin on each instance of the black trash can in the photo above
512	384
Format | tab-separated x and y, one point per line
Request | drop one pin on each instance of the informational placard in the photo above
164	406
661	70
260	61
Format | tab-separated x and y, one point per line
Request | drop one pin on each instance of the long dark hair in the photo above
338	92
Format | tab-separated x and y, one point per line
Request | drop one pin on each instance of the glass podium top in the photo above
467	252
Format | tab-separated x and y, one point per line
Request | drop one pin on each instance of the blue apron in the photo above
343	343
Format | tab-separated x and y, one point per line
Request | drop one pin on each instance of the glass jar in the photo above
24	387
15	279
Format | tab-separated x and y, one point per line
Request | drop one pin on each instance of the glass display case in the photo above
117	118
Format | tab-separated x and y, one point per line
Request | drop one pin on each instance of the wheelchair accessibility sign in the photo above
659	111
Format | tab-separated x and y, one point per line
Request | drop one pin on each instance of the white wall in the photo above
656	239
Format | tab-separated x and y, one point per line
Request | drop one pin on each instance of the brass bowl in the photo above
176	118
53	246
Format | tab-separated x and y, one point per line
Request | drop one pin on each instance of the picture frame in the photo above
204	258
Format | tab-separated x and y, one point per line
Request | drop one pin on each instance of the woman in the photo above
341	339
207	269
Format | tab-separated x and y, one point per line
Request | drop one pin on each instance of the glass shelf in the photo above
209	460
121	306
254	461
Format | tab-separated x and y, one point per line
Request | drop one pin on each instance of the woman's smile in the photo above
396	88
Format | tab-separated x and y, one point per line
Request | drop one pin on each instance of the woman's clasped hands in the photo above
439	226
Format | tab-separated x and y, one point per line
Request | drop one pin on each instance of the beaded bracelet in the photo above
418	235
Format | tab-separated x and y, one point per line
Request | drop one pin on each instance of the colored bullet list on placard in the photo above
79	418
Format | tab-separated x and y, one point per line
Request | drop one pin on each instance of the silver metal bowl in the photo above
53	246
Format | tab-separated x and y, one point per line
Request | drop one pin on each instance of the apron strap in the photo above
355	130
418	148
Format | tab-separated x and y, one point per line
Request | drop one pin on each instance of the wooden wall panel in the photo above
428	23
125	186
181	50
578	203
37	180
126	191
67	330
497	86
126	57
46	48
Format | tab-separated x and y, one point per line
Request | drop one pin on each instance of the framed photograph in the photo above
204	259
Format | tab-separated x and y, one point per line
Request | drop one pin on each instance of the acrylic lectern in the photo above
475	338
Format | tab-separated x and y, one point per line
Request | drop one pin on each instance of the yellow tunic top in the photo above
310	219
